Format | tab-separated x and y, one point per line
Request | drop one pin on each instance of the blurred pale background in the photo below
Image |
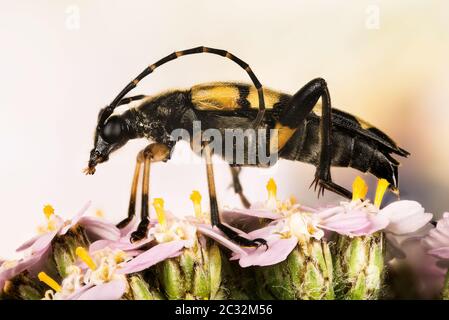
61	61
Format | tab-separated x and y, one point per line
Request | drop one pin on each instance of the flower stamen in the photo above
196	199
272	190
99	213
48	211
85	257
158	204
382	186
359	189
49	281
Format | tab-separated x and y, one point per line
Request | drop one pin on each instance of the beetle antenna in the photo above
107	111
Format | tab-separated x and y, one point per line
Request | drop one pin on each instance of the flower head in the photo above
37	249
292	225
437	240
96	227
399	217
97	277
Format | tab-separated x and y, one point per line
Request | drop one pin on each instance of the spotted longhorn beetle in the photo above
307	131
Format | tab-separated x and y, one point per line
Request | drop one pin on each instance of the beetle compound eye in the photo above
113	130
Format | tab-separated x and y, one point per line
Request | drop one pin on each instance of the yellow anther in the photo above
311	229
49	281
382	186
359	189
85	257
158	204
272	189
196	199
293	200
180	232
195	196
120	256
48	211
99	213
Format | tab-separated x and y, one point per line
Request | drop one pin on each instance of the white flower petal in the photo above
409	223
401	209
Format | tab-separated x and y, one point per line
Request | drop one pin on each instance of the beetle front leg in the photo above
153	153
132	200
301	104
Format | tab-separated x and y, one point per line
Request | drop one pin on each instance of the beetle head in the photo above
110	135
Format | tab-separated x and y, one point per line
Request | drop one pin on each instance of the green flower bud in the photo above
359	266
195	274
141	290
306	274
23	287
236	283
64	248
445	291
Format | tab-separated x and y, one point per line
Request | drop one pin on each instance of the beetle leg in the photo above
301	104
132	199
214	213
235	172
153	153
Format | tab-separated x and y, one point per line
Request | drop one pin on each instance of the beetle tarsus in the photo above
331	186
141	231
234	236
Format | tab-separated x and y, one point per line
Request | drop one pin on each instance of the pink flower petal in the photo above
266	232
43	242
76	218
28	243
255	213
307	208
436	238
112	290
79	292
152	256
119	245
327	213
21	266
353	223
442	252
278	250
130	227
99	228
345	223
376	223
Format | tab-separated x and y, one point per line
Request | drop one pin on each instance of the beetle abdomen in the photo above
348	150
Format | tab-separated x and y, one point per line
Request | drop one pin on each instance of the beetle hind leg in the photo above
322	185
234	236
236	184
301	104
